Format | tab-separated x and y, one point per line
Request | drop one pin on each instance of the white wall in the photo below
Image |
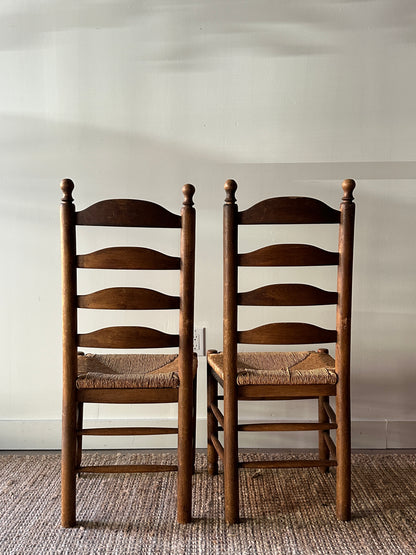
137	98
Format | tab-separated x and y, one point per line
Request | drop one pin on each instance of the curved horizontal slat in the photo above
127	298
127	213
287	294
289	210
291	333
128	258
288	255
127	337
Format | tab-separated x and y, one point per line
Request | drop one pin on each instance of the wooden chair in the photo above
286	375
127	377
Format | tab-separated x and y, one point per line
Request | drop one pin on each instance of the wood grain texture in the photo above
127	431
128	298
289	210
287	294
127	468
287	464
287	333
289	255
128	258
127	337
127	213
123	396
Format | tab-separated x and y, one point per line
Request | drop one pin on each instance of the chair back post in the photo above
230	349
69	348
344	282
186	327
342	354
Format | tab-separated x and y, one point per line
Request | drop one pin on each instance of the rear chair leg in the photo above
194	424
185	451
68	476
343	466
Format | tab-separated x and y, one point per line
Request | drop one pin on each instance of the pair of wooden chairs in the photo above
244	376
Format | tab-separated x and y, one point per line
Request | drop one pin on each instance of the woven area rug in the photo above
286	511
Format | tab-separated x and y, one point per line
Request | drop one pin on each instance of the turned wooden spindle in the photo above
348	186
188	191
67	186
230	187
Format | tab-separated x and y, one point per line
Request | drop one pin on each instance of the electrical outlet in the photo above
199	341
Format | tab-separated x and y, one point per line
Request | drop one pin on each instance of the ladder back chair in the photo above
255	376
127	377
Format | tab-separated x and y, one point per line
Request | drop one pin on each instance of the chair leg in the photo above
212	399
344	461
185	450
68	462
231	486
323	447
80	415
194	389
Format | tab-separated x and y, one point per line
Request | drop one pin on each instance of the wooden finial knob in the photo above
348	185
188	191
67	186
230	188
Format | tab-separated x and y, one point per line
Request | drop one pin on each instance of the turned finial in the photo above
230	188
188	191
67	186
348	185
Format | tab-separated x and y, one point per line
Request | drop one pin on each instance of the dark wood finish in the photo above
285	427
69	350
128	298
342	353
212	422
282	392
289	333
289	210
284	210
287	294
287	464
186	390
127	213
328	409
324	420
127	468
127	431
230	356
128	258
123	396
330	444
289	255
218	415
127	337
218	447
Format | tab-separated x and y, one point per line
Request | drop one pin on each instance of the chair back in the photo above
288	211
128	213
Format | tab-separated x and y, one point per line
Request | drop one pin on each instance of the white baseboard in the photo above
46	434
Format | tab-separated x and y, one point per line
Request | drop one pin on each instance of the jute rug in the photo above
284	511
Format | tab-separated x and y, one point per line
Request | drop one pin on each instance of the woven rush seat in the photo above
129	371
280	368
